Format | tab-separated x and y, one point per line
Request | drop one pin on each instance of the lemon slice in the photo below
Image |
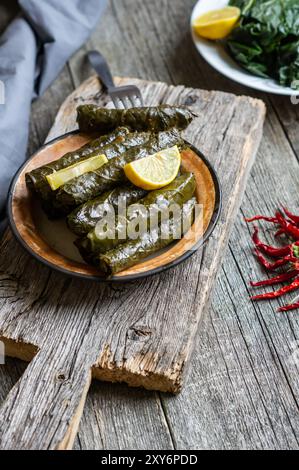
217	24
155	171
60	177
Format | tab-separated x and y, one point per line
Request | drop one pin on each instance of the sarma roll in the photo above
85	217
114	149
100	240
157	118
92	184
133	251
37	176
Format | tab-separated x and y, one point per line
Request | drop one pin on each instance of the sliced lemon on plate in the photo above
217	24
155	171
60	177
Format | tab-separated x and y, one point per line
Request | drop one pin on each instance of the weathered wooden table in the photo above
243	388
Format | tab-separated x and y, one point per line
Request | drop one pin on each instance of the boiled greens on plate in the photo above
87	184
266	40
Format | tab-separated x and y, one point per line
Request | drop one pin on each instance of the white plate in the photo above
218	58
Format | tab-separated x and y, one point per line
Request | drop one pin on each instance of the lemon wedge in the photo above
217	24
60	177
155	171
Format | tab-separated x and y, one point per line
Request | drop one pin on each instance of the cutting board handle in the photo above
56	414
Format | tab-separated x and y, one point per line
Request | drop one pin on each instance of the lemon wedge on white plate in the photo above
217	24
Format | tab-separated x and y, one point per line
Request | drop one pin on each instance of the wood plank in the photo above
176	60
158	362
243	382
10	373
150	418
288	115
202	390
116	417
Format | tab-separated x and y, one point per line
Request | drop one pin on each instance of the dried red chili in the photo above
293	217
276	280
288	227
261	217
277	264
286	308
286	256
277	293
279	232
270	250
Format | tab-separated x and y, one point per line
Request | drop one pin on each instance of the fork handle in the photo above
99	63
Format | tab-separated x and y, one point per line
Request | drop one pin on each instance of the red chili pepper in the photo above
276	280
270	250
286	308
288	227
277	264
271	295
287	255
293	217
261	217
279	232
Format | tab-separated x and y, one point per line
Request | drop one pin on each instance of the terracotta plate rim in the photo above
129	277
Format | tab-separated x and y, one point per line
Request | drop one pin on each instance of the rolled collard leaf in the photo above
92	184
36	177
85	217
105	237
157	118
131	252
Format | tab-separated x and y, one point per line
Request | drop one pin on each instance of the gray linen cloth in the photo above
33	50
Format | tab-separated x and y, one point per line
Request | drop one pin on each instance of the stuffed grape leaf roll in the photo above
112	150
36	177
85	217
100	240
92	184
133	251
91	118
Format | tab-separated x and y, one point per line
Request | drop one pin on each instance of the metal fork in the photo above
123	96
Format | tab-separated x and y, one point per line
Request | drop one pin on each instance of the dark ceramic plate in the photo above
52	243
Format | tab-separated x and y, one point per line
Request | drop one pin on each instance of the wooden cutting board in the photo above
141	332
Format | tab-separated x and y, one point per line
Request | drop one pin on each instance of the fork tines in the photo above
126	96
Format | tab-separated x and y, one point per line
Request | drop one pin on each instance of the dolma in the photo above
92	184
91	118
84	218
133	251
177	192
61	177
116	148
37	176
